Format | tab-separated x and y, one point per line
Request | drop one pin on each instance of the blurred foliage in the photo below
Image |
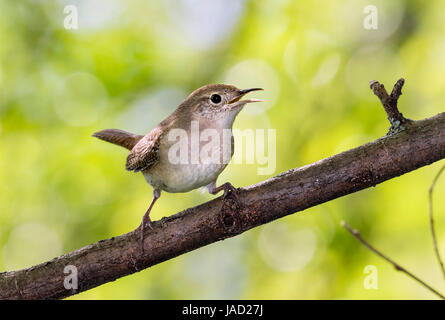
130	63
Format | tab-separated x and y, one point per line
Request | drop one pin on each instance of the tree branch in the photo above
417	144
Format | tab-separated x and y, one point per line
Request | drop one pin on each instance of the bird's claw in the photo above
143	226
230	190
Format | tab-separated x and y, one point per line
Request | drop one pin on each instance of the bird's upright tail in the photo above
121	138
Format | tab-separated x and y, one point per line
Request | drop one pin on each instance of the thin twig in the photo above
397	89
433	231
397	266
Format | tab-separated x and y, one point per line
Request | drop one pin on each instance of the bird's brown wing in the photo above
145	153
121	138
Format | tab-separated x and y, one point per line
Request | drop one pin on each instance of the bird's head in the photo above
218	101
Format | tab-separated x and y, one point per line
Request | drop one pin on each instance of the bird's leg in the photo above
146	219
227	187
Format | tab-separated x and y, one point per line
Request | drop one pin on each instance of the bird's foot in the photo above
231	203
230	191
146	222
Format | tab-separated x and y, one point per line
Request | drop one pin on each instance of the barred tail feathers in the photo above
119	137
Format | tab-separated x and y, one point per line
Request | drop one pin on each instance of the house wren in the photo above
203	123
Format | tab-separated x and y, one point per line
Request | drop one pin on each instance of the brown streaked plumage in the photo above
210	107
146	152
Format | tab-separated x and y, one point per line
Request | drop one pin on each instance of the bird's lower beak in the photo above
237	100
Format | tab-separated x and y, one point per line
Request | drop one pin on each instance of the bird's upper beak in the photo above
236	101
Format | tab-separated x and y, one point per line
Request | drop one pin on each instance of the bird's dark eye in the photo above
215	98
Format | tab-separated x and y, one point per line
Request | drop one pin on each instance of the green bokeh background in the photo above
130	63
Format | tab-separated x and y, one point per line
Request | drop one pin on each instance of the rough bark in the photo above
413	145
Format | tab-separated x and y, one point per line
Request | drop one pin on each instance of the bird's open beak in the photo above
236	101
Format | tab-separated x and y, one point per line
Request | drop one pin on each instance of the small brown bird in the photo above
203	123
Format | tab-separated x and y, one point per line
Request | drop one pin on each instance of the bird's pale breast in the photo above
205	161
